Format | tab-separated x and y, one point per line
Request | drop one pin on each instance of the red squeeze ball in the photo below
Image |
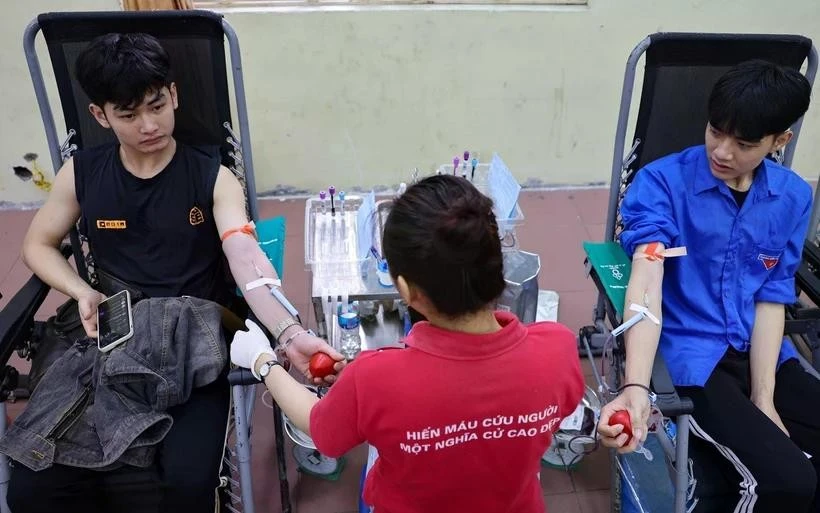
321	365
622	417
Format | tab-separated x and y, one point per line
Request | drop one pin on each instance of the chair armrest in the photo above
801	326
803	313
806	277
242	377
17	318
669	402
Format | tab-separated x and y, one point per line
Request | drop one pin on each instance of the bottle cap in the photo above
349	320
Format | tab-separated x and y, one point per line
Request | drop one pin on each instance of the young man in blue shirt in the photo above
743	219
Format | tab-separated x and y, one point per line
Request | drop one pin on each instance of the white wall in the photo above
21	128
362	97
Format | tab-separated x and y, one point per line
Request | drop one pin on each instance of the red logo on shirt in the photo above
768	261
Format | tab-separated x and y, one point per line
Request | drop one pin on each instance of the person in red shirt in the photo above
462	415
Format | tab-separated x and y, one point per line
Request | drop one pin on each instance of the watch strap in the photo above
266	367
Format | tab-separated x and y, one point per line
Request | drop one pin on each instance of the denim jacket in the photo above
100	410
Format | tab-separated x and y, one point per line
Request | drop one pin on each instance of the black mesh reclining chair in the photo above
195	41
679	73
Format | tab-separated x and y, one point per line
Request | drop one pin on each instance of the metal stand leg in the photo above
615	477
321	326
243	449
284	488
5	472
682	464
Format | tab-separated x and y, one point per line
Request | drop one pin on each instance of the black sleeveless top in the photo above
156	234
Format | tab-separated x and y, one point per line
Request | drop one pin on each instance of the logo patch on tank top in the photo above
109	224
195	216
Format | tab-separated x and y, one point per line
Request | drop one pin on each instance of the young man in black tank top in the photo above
127	79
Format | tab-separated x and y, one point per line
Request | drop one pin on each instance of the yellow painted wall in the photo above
360	97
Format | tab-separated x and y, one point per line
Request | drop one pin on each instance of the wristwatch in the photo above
265	368
282	326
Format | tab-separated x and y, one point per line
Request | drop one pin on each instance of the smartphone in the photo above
115	323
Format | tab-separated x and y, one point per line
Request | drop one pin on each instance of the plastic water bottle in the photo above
350	342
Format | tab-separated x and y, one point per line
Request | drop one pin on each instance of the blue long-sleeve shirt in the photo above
737	256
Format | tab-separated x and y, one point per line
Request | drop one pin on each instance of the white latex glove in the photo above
248	346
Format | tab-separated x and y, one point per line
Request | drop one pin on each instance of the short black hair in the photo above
758	98
122	69
441	235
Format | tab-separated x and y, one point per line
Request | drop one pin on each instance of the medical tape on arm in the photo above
642	313
653	253
273	285
261	282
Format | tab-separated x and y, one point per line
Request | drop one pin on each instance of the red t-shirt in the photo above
460	421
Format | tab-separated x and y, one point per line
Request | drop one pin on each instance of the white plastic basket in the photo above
507	223
331	240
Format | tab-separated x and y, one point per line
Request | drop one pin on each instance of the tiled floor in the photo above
556	224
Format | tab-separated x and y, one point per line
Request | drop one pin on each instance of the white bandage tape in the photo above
645	311
653	254
261	282
674	252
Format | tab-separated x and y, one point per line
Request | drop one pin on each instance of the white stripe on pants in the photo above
748	497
